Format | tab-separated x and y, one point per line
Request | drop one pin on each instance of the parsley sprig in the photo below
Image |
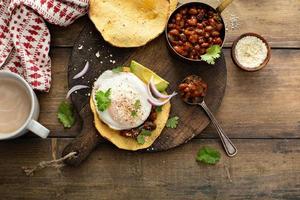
103	99
208	155
212	53
137	106
172	122
65	114
141	137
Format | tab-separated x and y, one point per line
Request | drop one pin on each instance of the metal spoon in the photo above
227	143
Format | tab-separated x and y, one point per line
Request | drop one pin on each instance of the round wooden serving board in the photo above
155	55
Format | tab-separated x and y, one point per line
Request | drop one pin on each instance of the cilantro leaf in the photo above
140	139
103	99
208	155
145	132
137	104
65	114
117	69
212	53
158	109
172	122
133	113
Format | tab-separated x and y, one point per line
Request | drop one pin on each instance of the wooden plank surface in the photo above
277	20
265	169
263	104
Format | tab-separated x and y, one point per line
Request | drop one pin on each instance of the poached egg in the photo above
129	106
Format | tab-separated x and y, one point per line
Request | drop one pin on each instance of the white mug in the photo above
31	123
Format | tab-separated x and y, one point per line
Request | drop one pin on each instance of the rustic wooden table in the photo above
260	112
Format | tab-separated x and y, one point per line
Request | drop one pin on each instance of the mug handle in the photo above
38	129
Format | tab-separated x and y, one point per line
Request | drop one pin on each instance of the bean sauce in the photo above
192	88
192	30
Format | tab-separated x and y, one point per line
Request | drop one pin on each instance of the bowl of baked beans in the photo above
192	28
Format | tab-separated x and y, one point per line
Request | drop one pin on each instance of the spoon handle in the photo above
227	144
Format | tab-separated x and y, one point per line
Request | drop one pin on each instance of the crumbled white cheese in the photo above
97	54
251	51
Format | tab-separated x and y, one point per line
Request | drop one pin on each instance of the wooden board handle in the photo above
223	5
85	142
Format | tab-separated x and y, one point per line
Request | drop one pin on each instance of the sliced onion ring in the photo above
154	101
160	103
150	96
75	88
83	71
155	90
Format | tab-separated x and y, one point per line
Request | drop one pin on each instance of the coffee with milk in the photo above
15	105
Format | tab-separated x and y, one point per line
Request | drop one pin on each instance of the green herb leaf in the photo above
137	104
145	132
117	69
158	109
133	113
140	139
65	114
172	122
208	155
212	53
103	99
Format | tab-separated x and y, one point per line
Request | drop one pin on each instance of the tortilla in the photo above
126	142
129	23
173	5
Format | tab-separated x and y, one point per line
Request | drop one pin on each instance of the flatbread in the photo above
173	5
125	142
130	143
129	23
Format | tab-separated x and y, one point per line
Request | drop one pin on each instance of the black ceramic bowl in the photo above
188	5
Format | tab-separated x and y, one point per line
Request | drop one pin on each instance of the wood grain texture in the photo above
276	21
263	170
49	102
156	56
263	104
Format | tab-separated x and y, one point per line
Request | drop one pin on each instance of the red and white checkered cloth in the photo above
25	38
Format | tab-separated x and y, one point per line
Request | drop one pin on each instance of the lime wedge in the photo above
145	75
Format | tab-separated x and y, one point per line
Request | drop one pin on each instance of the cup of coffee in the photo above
19	108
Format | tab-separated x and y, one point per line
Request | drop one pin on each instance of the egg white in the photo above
126	90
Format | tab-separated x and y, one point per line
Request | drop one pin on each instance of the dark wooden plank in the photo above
277	21
49	102
261	104
263	169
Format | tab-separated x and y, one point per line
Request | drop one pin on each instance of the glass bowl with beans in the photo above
192	28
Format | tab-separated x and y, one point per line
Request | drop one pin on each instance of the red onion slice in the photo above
83	71
150	96
154	101
160	103
155	90
75	88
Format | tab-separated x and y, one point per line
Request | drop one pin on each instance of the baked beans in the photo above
192	30
192	88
